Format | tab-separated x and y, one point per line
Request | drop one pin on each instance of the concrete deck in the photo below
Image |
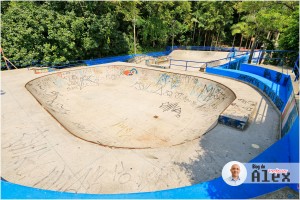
39	152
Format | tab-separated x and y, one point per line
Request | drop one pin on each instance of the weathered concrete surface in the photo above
197	56
237	114
38	152
201	56
143	109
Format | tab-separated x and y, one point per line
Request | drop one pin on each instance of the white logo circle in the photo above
234	173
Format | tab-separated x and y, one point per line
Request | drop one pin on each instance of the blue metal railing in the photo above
274	57
201	48
122	58
296	69
232	57
186	64
40	63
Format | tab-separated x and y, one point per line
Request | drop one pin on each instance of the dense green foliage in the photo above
58	31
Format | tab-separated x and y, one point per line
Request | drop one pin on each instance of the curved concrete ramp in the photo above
130	107
197	59
201	56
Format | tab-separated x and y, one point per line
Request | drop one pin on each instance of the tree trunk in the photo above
256	45
134	36
199	41
241	41
246	43
252	50
205	38
194	32
277	38
212	39
218	38
233	40
268	36
250	42
235	34
172	41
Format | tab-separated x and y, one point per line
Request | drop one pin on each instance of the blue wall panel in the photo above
272	90
272	75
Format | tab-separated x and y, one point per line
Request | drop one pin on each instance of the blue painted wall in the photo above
286	149
271	89
272	75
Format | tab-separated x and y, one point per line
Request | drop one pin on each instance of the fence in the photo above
67	64
201	48
197	65
296	69
122	58
279	58
40	63
232	61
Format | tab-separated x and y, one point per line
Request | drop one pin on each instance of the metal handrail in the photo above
206	63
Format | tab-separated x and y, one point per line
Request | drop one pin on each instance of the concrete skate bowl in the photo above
132	107
194	60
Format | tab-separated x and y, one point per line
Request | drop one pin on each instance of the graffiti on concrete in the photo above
278	77
194	90
266	89
246	105
28	148
173	107
130	72
238	113
267	74
80	80
249	79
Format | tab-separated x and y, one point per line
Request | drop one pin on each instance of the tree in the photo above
60	31
290	34
243	29
268	16
130	11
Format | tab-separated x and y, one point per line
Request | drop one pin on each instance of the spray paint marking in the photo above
130	72
173	107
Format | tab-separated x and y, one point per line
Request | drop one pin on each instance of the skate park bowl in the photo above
124	131
112	110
